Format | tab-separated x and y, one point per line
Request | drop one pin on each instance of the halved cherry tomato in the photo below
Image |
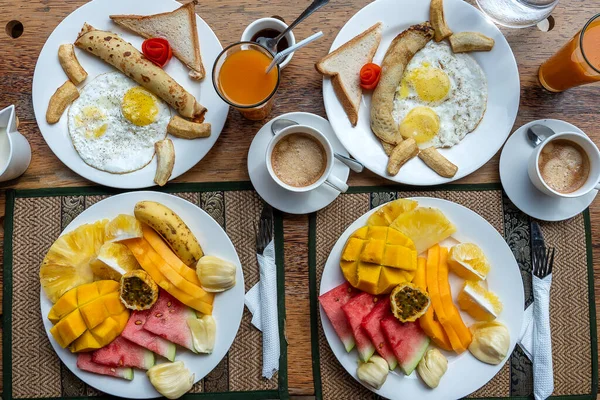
157	50
369	76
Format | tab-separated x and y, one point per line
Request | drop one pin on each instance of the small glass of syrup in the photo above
271	33
270	28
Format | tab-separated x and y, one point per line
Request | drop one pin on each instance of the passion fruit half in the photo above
409	302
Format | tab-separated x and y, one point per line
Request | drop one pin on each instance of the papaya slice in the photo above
433	261
163	249
452	314
430	326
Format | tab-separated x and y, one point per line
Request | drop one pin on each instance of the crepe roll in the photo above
127	59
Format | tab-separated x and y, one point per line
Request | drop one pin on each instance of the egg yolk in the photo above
421	124
431	84
139	106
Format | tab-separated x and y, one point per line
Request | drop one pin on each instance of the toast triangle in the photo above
177	26
343	66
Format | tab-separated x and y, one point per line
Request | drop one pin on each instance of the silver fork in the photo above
265	229
542	261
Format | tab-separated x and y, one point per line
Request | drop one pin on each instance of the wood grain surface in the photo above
300	91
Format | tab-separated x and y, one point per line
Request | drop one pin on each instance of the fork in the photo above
265	229
542	262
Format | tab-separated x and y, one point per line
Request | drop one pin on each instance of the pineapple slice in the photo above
123	227
426	227
113	260
468	261
387	213
480	303
67	263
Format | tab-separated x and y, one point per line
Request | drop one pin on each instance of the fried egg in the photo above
114	123
441	98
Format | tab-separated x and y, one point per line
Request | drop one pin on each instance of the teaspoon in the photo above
537	133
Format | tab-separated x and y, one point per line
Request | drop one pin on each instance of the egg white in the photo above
123	146
461	110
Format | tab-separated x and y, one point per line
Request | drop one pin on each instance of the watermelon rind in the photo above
372	326
355	310
407	341
85	363
123	353
134	331
332	303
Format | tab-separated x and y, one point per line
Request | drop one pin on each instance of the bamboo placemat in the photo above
35	218
572	309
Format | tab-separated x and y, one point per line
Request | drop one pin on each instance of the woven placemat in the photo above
35	218
572	307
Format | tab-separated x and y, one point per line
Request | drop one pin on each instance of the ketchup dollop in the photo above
369	76
157	50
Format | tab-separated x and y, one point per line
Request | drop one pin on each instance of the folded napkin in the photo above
535	338
261	300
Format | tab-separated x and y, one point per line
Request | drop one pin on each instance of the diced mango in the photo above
65	305
113	304
378	232
85	342
353	249
87	293
107	286
361	233
373	251
349	271
94	312
390	278
368	277
397	237
69	328
105	330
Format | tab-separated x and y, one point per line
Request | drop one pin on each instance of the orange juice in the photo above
242	78
568	67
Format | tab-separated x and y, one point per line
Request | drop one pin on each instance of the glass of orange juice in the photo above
240	79
577	62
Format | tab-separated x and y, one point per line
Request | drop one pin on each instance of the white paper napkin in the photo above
261	301
535	339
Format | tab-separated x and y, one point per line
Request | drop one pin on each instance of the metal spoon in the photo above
537	133
282	123
271	43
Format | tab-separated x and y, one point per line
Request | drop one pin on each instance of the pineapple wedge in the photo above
387	213
426	226
123	227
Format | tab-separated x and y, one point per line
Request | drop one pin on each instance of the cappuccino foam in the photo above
299	160
564	165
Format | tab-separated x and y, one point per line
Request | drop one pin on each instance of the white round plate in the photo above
499	66
48	76
227	309
518	186
275	195
504	279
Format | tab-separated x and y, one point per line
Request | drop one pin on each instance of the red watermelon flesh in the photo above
372	326
168	319
355	310
134	331
332	303
85	363
123	353
407	340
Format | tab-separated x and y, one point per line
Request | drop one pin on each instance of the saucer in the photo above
275	195
518	186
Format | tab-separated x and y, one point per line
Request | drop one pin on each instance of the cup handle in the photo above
337	184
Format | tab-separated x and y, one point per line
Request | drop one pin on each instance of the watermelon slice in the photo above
332	303
371	325
123	353
134	331
85	363
408	342
355	310
168	319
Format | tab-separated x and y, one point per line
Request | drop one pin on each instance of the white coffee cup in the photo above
15	152
270	23
326	177
590	149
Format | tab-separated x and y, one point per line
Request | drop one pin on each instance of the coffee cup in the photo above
15	152
559	181
300	159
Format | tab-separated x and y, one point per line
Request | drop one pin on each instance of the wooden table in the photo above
300	91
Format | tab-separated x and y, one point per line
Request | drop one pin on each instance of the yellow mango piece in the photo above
390	278
368	277
353	249
94	312
69	328
87	293
113	303
85	342
165	252
107	286
378	232
65	305
349	271
361	233
105	330
397	237
400	257
373	251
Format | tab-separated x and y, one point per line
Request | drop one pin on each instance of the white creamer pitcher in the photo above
15	152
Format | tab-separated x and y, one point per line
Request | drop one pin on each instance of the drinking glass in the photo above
517	13
577	62
261	109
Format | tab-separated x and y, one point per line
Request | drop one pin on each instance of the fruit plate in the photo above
465	373
49	75
228	306
500	69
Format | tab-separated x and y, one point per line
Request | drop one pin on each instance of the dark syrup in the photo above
271	33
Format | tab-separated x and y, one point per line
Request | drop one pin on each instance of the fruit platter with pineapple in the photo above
142	295
421	297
